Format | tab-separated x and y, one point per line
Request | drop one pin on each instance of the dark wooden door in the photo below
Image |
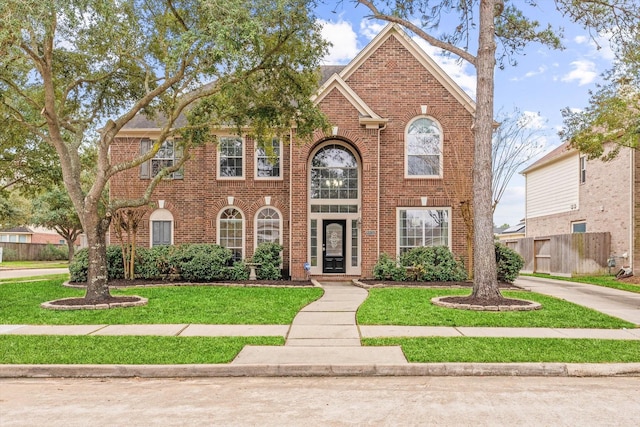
334	245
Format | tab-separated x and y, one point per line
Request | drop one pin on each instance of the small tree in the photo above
53	209
127	221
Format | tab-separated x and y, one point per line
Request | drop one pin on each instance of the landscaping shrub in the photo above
79	266
268	256
9	255
388	268
434	264
154	263
201	262
508	263
239	271
54	253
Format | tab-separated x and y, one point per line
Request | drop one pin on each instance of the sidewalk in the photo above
324	339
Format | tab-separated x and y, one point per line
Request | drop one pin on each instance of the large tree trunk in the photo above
485	281
97	285
71	247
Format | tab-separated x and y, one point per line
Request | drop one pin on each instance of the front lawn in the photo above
223	305
129	350
513	350
413	307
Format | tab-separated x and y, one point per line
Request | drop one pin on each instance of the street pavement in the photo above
324	339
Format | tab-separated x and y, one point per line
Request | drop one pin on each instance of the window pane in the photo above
423	227
268	160
334	174
230	161
230	231
423	148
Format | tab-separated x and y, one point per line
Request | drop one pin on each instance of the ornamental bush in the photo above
154	263
200	262
508	262
433	264
388	268
79	266
268	256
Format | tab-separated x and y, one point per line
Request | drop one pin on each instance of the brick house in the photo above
390	175
567	193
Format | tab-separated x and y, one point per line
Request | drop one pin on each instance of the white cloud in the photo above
343	39
541	70
584	72
533	120
458	70
370	29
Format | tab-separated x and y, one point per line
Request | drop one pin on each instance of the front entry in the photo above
334	245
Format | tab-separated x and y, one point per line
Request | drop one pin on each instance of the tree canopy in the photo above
74	72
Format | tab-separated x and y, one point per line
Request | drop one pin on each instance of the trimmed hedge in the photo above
437	264
188	262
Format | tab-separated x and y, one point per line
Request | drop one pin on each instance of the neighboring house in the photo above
389	176
513	232
31	235
567	193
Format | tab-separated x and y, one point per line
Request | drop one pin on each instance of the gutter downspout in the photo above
380	129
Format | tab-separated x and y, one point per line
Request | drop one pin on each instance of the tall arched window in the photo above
423	148
334	173
231	232
268	229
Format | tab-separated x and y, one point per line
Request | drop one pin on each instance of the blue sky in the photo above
542	83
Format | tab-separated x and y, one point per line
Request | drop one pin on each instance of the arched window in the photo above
161	226
231	232
423	148
334	173
268	228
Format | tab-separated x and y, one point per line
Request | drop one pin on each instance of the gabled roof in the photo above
556	154
17	230
394	30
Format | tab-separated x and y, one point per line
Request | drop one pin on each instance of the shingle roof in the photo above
550	156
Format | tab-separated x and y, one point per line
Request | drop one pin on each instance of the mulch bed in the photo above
122	283
82	301
390	283
484	301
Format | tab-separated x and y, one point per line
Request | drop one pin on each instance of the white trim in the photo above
244	159
440	150
255	224
420	208
244	228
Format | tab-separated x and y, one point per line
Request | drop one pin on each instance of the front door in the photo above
334	245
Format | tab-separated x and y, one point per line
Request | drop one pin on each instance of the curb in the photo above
417	369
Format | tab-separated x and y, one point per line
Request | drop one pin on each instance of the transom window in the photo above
334	173
268	160
231	158
267	226
422	227
231	233
423	148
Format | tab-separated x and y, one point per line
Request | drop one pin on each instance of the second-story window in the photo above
268	160
423	148
231	157
169	153
583	169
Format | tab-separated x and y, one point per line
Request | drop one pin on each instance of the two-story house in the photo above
568	193
389	175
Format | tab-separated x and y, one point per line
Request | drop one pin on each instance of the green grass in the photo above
607	281
513	350
20	304
34	264
130	350
412	307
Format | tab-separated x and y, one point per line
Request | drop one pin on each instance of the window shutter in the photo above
177	154
145	146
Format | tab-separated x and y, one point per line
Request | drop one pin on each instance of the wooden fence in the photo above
27	251
564	255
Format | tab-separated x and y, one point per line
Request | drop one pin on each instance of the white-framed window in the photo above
268	160
161	227
231	231
423	227
579	227
583	169
334	173
231	157
423	149
268	226
169	153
